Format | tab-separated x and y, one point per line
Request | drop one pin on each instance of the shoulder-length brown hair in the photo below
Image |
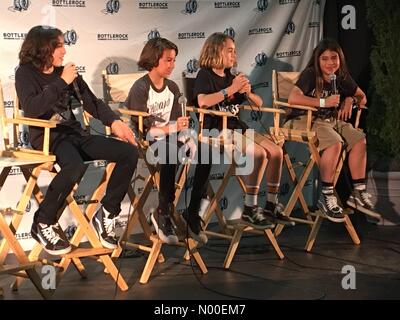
153	51
39	45
211	52
323	45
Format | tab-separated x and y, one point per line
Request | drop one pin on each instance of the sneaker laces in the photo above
331	201
365	196
110	226
258	216
279	208
50	234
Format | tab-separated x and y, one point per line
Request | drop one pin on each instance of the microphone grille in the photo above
234	71
182	99
332	77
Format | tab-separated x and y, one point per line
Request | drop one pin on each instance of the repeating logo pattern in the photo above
70	37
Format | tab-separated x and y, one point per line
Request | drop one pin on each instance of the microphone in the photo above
234	71
77	91
182	101
332	78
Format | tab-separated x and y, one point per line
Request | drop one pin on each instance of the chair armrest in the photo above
210	112
134	113
33	122
359	110
263	109
129	112
294	106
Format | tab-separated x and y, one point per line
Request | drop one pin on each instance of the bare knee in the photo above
275	153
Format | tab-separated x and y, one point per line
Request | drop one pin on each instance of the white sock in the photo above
360	186
272	197
250	199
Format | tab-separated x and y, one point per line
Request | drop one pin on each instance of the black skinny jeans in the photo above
167	179
70	154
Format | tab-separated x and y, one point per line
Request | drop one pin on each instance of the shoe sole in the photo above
256	226
323	209
52	252
196	237
351	203
286	223
103	243
161	234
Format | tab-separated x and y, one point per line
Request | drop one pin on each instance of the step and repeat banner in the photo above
110	34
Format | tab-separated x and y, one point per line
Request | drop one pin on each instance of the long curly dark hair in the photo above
39	45
323	45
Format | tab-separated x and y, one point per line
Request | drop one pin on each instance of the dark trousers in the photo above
70	154
167	180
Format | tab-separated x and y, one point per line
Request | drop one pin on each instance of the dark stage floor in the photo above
255	273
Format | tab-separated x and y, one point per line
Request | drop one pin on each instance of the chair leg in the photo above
351	230
37	282
151	260
192	245
297	192
79	267
313	233
114	272
274	243
237	235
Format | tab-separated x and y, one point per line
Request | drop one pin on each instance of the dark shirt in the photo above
208	82
43	95
346	87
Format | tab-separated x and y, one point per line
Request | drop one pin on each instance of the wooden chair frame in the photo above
230	230
96	250
282	82
117	87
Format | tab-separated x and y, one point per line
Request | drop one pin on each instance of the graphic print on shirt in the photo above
228	106
159	104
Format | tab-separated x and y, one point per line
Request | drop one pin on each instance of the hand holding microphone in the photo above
69	73
240	83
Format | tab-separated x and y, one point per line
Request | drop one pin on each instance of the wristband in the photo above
223	91
322	103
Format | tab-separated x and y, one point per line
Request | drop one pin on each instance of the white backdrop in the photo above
101	34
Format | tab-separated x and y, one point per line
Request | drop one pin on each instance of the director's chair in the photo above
231	230
116	89
96	250
31	163
282	84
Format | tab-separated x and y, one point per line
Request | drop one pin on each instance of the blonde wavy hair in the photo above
211	52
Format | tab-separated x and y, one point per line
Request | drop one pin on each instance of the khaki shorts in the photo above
329	131
252	136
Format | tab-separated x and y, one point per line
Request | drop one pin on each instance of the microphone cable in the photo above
124	248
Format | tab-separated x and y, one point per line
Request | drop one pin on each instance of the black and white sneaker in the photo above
105	229
360	200
195	226
254	217
329	207
51	237
161	219
274	211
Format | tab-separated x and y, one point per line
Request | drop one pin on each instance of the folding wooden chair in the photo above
231	230
282	84
96	249
117	88
31	163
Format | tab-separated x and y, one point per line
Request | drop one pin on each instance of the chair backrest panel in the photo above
282	83
117	86
3	122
